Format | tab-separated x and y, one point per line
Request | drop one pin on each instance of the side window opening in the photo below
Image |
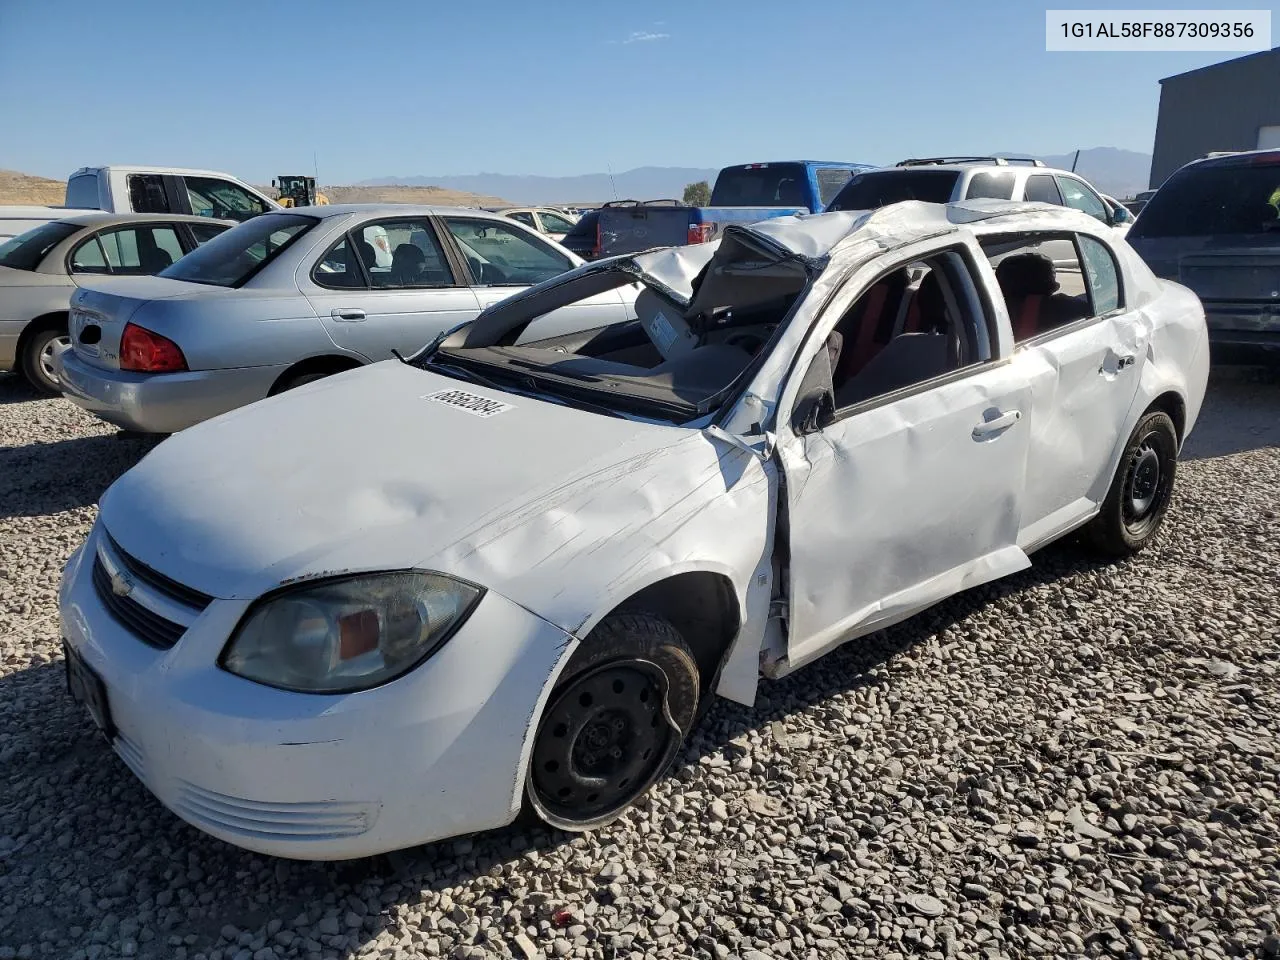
1043	282
403	254
1042	189
991	185
339	269
147	193
915	323
221	199
89	258
131	251
1076	194
1102	274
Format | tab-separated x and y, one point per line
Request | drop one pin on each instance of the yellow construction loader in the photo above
299	192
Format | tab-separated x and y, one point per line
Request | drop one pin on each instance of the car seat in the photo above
407	265
1030	287
151	258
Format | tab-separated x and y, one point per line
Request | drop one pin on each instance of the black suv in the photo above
1214	226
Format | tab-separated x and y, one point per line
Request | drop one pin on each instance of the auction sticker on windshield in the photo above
472	403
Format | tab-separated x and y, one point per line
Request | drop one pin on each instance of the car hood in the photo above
373	470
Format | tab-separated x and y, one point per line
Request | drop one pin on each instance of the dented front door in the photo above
902	504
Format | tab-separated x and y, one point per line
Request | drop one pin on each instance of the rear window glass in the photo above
830	182
870	191
26	250
232	258
82	191
585	227
1205	201
773	185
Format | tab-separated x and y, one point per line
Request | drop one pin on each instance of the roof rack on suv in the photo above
1000	161
644	203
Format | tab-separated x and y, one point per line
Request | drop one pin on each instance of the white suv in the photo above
948	179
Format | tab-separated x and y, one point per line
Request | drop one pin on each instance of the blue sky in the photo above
557	87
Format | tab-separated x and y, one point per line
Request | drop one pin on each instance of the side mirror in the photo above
815	403
813	413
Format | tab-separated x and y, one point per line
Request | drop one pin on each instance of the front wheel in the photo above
1141	489
614	723
37	359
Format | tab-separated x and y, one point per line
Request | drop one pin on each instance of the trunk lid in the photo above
99	313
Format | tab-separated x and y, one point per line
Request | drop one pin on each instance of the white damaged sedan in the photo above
405	602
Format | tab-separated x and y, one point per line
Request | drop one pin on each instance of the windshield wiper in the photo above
463	373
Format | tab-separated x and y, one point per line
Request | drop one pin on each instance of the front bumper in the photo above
439	752
160	402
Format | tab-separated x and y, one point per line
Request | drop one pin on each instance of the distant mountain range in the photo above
1120	173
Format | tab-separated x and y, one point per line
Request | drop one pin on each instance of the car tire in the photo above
301	380
1141	489
37	357
614	722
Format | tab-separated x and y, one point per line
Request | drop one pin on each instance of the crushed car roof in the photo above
817	237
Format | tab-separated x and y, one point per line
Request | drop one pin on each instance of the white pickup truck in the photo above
117	189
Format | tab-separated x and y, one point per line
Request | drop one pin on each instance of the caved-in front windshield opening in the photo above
27	250
674	362
232	259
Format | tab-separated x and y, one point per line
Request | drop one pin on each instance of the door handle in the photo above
989	428
1122	362
349	314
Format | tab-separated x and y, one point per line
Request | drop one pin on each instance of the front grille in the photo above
172	589
149	627
277	821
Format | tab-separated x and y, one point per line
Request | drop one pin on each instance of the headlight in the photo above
338	636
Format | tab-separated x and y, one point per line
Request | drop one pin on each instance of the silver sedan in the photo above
41	268
294	296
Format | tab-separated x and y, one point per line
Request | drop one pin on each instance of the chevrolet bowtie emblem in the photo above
121	584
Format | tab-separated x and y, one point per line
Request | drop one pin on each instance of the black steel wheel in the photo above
614	725
1141	490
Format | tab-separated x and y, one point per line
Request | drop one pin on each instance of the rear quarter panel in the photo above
1177	355
239	328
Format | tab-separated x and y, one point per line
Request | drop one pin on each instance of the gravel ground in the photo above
1078	761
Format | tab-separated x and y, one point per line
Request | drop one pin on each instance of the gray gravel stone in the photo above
1077	761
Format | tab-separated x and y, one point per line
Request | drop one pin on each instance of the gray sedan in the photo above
41	268
290	297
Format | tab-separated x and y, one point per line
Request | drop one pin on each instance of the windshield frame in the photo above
251	227
30	265
626	396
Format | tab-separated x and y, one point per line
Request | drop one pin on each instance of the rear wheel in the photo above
1141	490
37	358
302	378
614	723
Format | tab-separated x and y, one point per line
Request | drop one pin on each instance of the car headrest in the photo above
407	255
1027	274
